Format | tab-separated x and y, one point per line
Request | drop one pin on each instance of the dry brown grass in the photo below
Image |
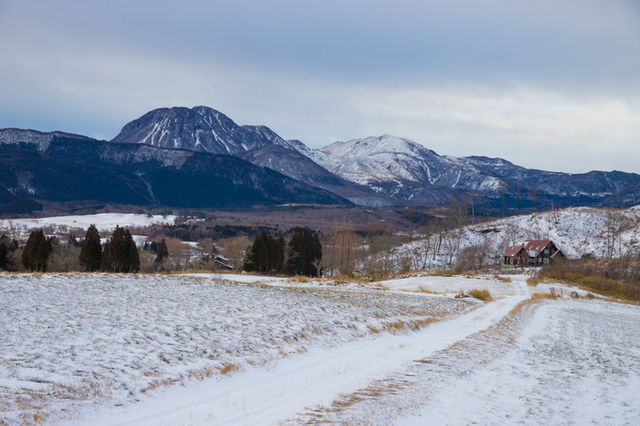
443	273
403	326
533	281
502	279
228	368
374	330
540	296
483	294
423	289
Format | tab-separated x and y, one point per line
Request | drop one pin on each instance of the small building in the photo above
532	253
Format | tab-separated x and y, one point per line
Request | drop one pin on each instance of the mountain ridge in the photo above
374	171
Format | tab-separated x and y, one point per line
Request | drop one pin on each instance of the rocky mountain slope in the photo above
199	129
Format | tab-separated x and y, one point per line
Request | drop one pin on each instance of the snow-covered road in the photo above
318	377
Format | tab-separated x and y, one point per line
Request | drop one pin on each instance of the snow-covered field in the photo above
105	222
71	340
239	349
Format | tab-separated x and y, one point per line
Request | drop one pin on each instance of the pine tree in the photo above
266	255
4	251
163	251
91	252
120	253
304	254
36	252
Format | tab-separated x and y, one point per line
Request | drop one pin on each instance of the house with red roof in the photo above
532	253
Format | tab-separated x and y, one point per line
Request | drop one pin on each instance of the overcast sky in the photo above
551	84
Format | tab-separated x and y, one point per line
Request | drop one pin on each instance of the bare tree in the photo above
234	250
615	223
533	193
451	244
517	186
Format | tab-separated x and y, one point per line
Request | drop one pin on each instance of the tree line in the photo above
302	255
118	254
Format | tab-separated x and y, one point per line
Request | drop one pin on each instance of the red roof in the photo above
534	247
512	251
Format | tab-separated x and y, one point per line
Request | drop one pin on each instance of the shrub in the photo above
533	281
472	258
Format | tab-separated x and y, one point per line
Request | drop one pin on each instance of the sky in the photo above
547	84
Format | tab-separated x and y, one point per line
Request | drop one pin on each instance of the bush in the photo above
533	281
472	258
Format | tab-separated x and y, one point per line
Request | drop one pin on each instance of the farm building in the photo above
532	253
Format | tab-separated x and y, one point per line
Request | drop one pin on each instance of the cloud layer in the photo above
546	84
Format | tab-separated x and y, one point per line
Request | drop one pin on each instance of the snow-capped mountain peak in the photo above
197	129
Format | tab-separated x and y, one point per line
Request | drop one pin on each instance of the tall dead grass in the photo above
483	294
598	276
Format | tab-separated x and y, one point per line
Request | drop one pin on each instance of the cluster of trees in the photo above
302	256
119	253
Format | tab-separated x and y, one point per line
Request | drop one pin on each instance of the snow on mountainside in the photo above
387	169
384	158
205	129
197	129
402	168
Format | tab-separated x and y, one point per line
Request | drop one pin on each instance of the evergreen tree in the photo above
266	255
91	252
36	252
120	252
163	251
4	251
305	253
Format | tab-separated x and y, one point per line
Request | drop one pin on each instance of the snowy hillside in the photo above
576	231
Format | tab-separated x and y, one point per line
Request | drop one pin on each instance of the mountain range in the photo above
199	157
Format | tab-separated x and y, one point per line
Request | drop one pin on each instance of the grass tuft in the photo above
540	296
483	295
533	281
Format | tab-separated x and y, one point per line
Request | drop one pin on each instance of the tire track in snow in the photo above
315	378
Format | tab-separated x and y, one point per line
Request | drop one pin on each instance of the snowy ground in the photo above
105	222
77	339
201	349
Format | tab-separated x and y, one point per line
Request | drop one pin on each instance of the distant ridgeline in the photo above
200	158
